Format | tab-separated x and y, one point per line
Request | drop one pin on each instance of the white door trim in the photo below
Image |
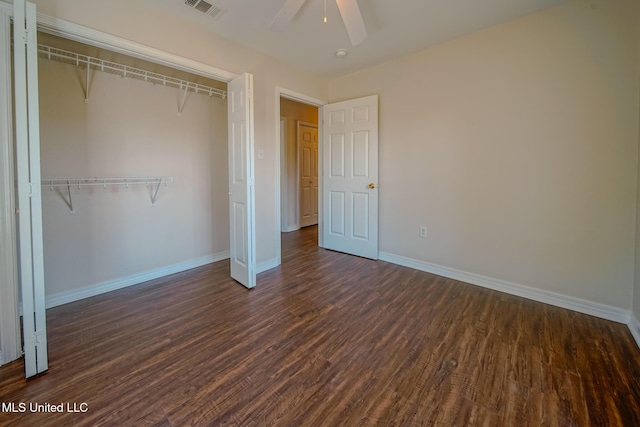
284	204
10	346
282	92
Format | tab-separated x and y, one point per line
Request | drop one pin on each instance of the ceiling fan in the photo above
349	11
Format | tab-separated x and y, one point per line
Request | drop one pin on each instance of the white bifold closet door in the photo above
27	132
242	227
10	342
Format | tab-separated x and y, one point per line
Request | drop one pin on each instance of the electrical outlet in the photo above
423	231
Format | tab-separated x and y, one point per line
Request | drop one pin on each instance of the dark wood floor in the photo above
327	340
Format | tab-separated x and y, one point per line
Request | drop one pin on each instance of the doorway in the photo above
348	141
291	109
299	166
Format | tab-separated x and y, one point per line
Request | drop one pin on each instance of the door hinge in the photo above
30	190
39	338
24	37
31	339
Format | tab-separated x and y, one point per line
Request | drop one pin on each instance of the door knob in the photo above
372	185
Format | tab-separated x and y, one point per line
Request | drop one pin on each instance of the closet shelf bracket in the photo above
183	100
153	183
70	198
86	88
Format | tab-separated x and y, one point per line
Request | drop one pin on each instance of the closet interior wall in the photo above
128	128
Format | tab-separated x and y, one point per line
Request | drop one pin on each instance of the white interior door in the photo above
241	180
308	176
350	176
27	132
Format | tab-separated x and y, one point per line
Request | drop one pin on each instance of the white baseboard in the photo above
634	327
291	228
576	304
1	358
267	265
111	285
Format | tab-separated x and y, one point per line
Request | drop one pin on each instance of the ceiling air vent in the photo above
205	7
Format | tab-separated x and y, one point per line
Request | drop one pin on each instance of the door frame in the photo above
298	198
282	92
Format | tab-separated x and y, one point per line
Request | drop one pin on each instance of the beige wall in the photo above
517	147
636	291
136	20
294	112
129	128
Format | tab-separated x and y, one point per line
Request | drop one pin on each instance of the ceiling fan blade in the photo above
286	14
352	18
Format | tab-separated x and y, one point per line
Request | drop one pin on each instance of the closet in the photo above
134	169
127	169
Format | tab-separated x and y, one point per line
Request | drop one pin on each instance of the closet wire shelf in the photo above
154	182
91	63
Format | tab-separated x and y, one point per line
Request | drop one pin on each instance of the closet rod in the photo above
79	60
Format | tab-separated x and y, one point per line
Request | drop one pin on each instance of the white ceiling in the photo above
396	27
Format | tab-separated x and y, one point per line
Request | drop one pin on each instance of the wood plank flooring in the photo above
327	340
